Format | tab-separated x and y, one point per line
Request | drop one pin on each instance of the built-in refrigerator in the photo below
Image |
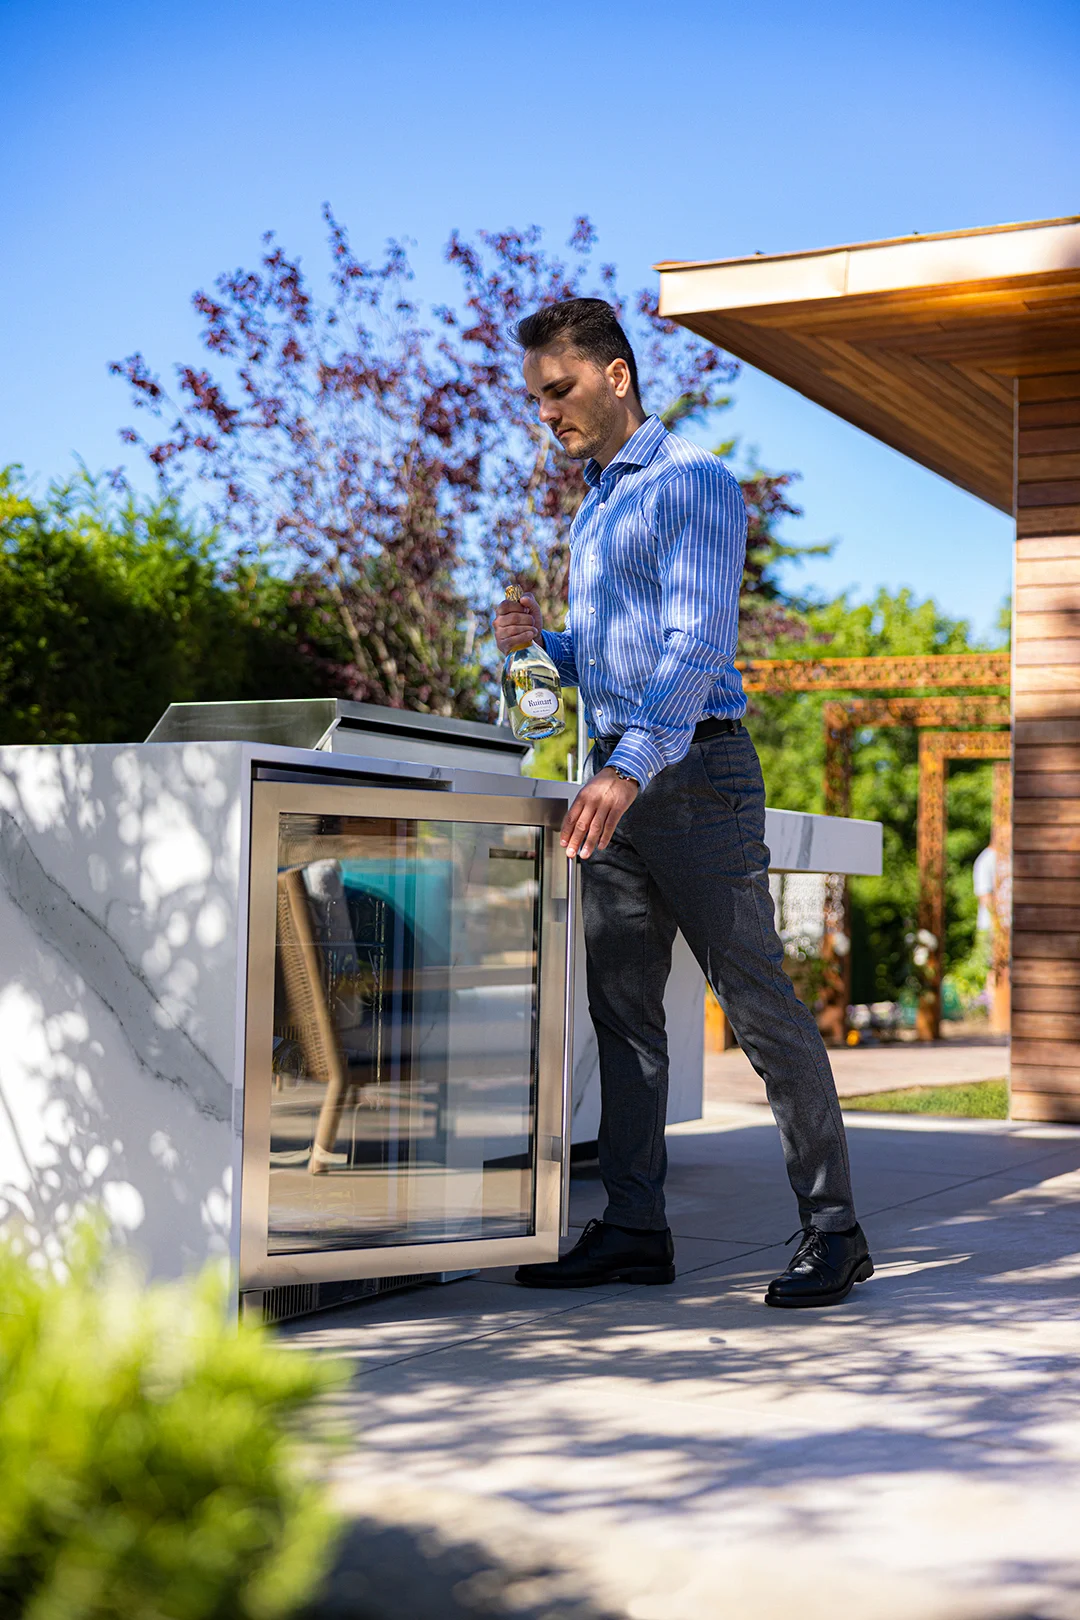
405	1062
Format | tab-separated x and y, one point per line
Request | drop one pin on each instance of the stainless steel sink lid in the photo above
332	725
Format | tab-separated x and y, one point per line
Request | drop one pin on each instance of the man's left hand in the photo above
596	812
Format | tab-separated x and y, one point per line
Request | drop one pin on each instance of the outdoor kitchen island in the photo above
308	1007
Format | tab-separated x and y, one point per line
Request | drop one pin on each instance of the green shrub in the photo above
114	607
150	1469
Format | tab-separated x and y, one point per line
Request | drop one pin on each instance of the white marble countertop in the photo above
798	840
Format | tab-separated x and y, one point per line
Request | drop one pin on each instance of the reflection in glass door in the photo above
404	1070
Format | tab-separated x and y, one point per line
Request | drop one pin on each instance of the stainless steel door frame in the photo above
572	885
258	1268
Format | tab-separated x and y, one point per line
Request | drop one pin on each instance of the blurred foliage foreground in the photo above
151	1457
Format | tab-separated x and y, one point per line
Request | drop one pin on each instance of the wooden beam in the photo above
875	674
965	713
835	996
965	744
930	840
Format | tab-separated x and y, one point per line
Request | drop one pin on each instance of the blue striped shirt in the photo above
656	560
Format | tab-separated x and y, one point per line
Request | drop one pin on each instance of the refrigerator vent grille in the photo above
301	1299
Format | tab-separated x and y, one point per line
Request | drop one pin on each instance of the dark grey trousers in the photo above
690	854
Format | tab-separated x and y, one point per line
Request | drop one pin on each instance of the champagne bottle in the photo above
532	689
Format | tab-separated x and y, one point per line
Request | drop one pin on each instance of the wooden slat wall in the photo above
1046	702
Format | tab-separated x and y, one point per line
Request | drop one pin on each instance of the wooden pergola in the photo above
962	350
971	718
936	748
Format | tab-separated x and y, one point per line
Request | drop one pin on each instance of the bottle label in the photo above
538	703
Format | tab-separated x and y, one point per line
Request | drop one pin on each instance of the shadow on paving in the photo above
395	1572
959	1359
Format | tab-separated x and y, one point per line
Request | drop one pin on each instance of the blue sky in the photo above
145	148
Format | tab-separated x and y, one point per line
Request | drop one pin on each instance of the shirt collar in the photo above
638	451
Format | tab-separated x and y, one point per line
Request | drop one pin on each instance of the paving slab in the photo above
682	1453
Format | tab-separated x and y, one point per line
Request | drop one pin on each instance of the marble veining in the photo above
120	894
162	1048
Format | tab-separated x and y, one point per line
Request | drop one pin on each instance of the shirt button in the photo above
592	610
592	660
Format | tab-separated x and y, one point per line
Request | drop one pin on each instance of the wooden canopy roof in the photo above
917	340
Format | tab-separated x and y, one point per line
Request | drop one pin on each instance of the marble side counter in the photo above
800	842
122	879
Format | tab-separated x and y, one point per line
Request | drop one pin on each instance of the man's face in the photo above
581	404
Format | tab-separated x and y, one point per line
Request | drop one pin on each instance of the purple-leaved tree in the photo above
388	460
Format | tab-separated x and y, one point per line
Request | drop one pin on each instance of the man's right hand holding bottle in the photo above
517	624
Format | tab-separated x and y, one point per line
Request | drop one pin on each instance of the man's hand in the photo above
596	812
517	624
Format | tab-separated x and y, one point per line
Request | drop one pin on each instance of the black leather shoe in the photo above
604	1254
825	1268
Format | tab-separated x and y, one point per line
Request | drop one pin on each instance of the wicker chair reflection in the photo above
302	965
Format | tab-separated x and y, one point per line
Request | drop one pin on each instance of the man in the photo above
670	825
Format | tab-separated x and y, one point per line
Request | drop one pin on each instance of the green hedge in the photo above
149	1468
112	608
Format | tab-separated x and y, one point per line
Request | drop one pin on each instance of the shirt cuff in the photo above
559	648
637	755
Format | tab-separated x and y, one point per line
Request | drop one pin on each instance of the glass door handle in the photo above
570	878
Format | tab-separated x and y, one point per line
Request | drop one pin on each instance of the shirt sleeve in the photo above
559	646
700	531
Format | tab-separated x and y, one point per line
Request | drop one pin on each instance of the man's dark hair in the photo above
587	325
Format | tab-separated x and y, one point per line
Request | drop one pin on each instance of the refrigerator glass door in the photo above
405	1063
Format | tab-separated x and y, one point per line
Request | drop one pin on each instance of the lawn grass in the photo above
983	1099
